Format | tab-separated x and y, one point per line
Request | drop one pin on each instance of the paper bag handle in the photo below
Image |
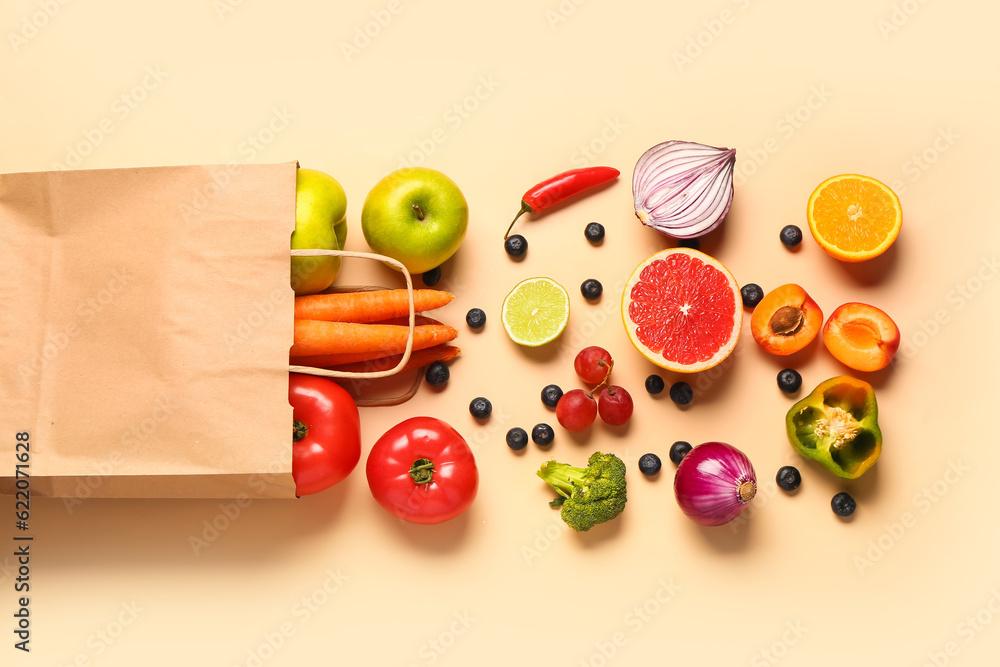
323	372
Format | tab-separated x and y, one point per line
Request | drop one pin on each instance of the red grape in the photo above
593	364
576	410
615	405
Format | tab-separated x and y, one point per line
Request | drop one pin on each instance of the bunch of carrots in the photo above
367	331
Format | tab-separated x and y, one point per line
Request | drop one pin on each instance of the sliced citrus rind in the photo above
854	218
535	312
682	310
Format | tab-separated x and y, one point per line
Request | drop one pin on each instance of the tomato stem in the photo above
422	471
299	430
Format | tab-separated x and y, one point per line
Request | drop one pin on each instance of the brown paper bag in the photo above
145	321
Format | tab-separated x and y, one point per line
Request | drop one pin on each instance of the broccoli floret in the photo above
590	495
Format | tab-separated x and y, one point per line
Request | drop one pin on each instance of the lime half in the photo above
535	312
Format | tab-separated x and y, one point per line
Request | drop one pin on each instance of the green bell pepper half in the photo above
837	425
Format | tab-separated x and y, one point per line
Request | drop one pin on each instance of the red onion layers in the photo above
683	189
714	483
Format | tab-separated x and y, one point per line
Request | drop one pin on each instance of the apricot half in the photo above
786	320
861	337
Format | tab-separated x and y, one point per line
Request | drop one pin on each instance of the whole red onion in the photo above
714	483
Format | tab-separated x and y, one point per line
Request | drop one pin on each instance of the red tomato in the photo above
423	471
326	432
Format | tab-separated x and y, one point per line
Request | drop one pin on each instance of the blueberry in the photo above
476	318
654	384
517	438
789	380
788	478
551	395
694	244
752	294
681	393
542	435
481	408
678	451
843	504
432	277
649	464
591	289
791	236
437	374
594	232
515	245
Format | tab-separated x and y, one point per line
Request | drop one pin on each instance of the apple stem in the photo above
420	214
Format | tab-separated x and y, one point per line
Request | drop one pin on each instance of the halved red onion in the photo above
714	483
683	189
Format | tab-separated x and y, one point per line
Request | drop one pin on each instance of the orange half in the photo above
854	218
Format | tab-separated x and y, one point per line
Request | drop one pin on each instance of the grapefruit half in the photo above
682	310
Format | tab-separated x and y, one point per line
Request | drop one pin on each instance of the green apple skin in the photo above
320	223
417	216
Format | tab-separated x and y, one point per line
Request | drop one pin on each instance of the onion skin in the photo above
683	189
714	483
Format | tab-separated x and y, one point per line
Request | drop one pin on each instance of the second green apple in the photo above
417	216
320	224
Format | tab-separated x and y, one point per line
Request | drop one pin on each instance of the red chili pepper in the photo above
561	187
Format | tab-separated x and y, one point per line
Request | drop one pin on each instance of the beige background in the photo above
802	90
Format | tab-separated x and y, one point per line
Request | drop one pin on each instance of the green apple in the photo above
417	216
320	223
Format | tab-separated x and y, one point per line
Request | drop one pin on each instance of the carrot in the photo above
331	360
418	359
370	306
405	320
314	337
